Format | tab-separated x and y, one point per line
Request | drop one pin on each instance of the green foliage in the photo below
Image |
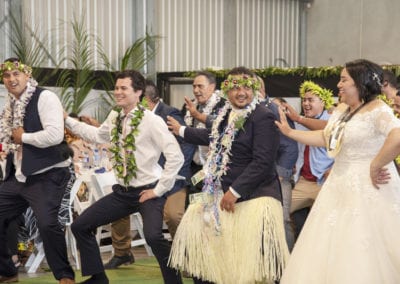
29	47
142	51
306	72
77	83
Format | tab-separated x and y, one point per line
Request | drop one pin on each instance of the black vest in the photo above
33	158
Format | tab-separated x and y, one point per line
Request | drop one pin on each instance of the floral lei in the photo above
12	65
219	153
210	104
235	81
126	144
13	115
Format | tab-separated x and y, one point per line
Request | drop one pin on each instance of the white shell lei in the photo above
219	153
210	104
13	115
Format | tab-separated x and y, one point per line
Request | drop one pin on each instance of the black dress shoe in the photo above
116	261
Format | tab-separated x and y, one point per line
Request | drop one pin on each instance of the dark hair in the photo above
390	77
367	76
138	81
210	76
280	99
12	59
73	114
151	91
241	70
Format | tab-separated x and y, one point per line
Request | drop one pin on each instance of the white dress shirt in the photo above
52	120
153	139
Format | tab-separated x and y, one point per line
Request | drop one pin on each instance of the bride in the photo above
351	235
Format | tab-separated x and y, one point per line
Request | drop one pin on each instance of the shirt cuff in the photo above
237	195
182	131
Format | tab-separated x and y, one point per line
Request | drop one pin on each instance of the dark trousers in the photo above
42	192
113	207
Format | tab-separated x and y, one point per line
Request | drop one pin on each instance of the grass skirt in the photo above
251	246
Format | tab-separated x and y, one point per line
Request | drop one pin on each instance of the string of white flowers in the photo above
13	115
210	104
220	152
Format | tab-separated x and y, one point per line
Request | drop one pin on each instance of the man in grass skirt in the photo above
233	231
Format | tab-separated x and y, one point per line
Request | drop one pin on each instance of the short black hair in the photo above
241	70
390	77
210	76
152	91
138	81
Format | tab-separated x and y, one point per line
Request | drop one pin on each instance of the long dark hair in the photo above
368	78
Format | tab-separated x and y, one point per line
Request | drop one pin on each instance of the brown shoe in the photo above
9	279
67	281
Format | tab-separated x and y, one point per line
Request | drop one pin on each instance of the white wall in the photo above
342	30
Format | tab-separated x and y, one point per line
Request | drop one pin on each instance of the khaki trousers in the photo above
304	194
173	211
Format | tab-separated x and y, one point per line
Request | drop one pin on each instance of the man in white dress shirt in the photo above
36	172
138	137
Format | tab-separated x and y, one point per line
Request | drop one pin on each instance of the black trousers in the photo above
112	207
43	192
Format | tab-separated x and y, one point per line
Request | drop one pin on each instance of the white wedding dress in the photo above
352	234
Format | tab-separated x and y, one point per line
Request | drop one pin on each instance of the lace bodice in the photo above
365	133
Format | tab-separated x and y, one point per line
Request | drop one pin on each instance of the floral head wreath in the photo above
324	94
234	81
14	65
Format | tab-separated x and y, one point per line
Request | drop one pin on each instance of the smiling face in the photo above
348	91
125	96
15	81
240	96
202	89
312	105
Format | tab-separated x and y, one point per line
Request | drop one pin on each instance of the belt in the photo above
118	187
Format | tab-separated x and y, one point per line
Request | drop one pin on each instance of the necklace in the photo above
219	153
125	145
13	115
208	108
336	131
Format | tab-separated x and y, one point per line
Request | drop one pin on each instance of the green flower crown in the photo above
14	65
324	94
234	81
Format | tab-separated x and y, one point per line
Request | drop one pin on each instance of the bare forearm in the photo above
312	123
199	116
390	149
312	138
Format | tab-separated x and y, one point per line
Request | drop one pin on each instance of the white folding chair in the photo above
36	258
102	183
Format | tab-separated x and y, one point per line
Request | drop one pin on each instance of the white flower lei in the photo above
210	104
13	116
219	153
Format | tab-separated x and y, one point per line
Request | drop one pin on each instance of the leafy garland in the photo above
125	145
306	72
324	94
219	153
234	81
210	104
13	115
14	65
